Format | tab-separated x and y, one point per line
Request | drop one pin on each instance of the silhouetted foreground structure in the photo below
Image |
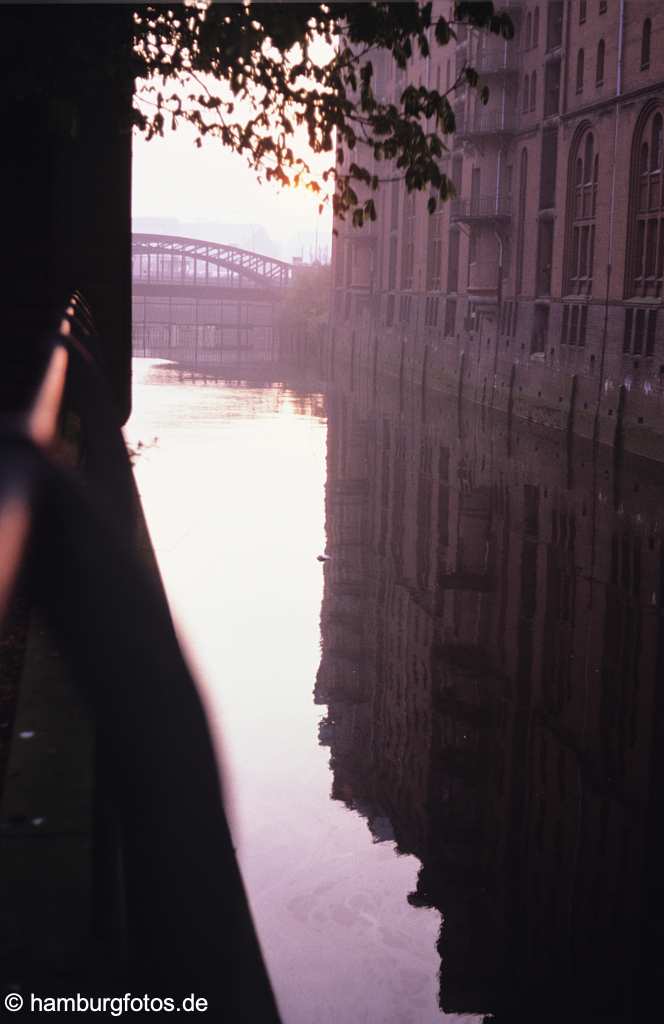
491	660
65	178
204	303
538	289
130	881
167	907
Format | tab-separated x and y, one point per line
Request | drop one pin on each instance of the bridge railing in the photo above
163	860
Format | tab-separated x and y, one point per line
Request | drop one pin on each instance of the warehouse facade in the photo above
537	289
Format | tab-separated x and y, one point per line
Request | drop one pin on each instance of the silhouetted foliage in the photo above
265	55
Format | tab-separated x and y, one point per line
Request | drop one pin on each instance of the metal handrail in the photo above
481	207
486	122
38	425
497	60
188	924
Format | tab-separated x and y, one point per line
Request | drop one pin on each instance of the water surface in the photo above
232	479
444	747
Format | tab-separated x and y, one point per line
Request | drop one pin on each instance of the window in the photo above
575	322
526	94
599	68
431	311
339	263
434	249
645	244
579	71
583	11
520	241
506	318
640	332
408	257
544	257
540	334
529	30
549	163
453	261
603	5
450	317
554	25
536	27
533	90
392	263
645	44
583	322
580	250
396	195
551	87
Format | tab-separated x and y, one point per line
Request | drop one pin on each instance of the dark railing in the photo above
486	122
481	208
497	60
163	862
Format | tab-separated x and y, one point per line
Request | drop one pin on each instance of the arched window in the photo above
645	264
525	99
584	180
536	27
645	44
579	71
521	227
599	68
583	11
533	90
529	30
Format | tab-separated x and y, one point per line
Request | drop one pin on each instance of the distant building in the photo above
537	290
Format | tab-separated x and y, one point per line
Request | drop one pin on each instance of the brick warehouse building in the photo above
537	290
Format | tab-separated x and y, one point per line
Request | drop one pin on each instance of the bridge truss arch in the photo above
175	260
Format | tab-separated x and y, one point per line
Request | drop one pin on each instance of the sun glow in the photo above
192	178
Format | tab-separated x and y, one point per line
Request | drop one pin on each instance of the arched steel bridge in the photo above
174	260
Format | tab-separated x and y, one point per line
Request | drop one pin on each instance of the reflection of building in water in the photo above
491	633
203	302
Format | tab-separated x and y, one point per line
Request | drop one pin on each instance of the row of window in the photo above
644	275
646	35
639	337
532	26
431	311
645	263
599	66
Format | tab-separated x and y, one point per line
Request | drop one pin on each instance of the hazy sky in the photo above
173	178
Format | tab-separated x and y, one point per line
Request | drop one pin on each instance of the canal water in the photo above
442	747
232	480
